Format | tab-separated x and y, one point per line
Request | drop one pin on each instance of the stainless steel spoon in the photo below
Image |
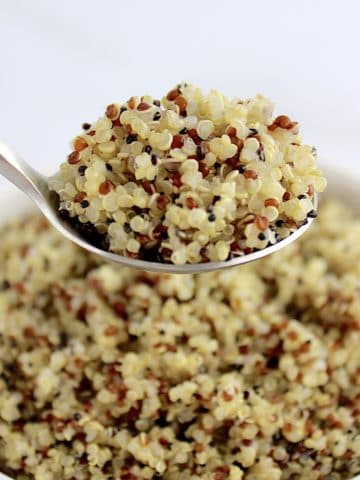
36	188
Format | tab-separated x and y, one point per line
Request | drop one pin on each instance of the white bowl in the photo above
342	185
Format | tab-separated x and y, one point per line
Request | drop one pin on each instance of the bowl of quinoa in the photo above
196	177
250	373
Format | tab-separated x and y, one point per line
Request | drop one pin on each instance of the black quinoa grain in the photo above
291	448
279	223
127	228
212	217
77	416
108	167
86	126
84	203
147	149
272	363
82	170
262	236
302	197
63	340
183	131
64	214
154	159
200	155
253	131
122	109
241	169
157	103
157	116
312	214
131	138
238	367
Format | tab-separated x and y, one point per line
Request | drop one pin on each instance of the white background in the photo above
62	62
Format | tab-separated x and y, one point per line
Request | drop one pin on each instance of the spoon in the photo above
35	186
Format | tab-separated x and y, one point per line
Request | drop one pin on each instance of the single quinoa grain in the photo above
262	223
74	158
271	202
79	144
250	174
106	187
151	157
143	106
191	203
112	111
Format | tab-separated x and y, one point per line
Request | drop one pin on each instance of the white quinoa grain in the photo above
204	129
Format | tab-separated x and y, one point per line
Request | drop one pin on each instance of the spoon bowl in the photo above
35	186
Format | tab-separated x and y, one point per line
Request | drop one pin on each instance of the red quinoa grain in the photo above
250	175
106	187
79	144
112	111
261	222
74	158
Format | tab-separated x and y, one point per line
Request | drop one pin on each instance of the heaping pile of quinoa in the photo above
252	373
194	178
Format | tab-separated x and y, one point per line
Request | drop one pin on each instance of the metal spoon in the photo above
36	188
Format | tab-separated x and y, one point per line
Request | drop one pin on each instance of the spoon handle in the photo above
22	175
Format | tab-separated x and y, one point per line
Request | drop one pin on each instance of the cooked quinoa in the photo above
194	178
250	373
